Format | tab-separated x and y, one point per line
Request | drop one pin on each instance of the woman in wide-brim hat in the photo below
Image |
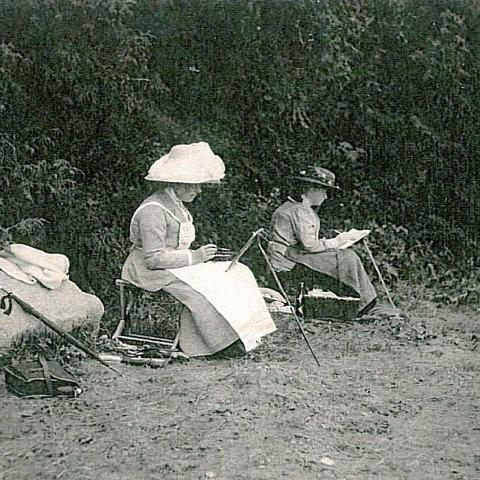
222	307
296	241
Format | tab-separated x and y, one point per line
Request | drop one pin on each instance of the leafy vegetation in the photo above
383	92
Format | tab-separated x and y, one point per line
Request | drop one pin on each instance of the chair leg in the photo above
129	306
123	314
178	312
175	341
299	300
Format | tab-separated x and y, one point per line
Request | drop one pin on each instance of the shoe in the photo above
381	312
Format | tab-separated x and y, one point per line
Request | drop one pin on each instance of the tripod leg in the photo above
378	272
282	291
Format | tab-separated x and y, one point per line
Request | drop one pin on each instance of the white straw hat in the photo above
193	163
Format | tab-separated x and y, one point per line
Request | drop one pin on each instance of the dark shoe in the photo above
235	350
366	310
381	312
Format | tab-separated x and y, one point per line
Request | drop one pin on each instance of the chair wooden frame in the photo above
126	292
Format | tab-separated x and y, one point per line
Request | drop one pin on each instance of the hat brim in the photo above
190	167
317	182
151	178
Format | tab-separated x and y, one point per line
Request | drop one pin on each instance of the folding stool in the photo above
127	295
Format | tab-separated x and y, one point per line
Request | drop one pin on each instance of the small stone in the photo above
327	461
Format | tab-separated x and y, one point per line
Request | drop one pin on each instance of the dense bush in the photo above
384	92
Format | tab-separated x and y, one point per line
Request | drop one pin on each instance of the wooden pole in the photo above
378	272
244	248
282	291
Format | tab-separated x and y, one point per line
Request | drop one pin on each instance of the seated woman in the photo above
295	241
222	307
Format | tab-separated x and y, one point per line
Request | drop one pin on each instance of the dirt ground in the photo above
391	400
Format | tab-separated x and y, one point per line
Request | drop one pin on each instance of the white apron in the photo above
234	294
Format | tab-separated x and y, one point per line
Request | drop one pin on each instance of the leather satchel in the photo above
40	378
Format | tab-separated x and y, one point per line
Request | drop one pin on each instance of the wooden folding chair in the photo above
128	294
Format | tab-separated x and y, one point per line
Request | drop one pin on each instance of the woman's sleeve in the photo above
153	229
306	230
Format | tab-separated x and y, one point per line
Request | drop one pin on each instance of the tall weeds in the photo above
384	92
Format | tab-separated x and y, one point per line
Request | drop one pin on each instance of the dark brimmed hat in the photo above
317	175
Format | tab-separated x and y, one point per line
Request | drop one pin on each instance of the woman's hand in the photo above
205	253
339	240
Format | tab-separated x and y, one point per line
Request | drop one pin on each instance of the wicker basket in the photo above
318	304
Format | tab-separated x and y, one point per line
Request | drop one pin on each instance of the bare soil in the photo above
391	400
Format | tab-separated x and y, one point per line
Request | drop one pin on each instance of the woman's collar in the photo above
305	201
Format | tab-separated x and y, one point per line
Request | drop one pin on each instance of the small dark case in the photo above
40	378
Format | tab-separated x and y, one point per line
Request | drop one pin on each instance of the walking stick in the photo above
58	330
282	291
378	272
